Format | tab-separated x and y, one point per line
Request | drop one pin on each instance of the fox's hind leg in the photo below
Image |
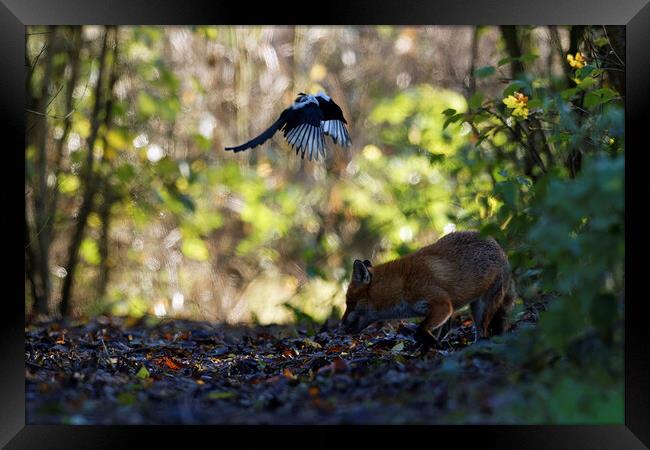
442	331
498	302
478	311
439	311
499	323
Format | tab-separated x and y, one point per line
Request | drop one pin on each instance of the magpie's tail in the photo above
259	140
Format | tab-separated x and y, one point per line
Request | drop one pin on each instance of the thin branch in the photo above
612	47
32	65
518	138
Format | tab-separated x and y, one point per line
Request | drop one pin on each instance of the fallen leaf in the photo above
171	364
338	365
312	343
143	373
288	374
216	395
397	347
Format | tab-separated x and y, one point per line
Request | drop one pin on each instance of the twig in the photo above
36	366
612	47
31	66
514	134
108	355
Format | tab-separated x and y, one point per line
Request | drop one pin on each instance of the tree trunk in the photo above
472	63
104	262
89	187
509	34
537	143
39	245
74	64
575	36
556	42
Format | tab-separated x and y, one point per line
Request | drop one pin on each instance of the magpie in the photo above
304	125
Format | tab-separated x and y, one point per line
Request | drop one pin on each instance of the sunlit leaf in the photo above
143	373
195	248
89	251
217	395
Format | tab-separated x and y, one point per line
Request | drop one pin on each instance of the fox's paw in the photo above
425	340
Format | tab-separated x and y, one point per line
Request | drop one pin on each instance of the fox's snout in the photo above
353	322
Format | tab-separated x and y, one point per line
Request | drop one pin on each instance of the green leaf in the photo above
216	395
529	57
452	119
146	104
505	61
449	112
143	373
476	100
583	72
195	248
202	142
508	192
513	87
485	71
586	83
125	172
568	93
598	97
601	41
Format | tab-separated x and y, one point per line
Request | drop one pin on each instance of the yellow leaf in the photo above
93	220
195	248
68	183
117	140
318	72
143	373
81	125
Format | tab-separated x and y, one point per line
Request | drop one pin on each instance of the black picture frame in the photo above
16	14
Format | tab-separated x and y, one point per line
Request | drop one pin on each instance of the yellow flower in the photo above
520	112
518	103
578	61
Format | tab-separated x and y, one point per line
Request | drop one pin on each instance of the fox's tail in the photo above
498	301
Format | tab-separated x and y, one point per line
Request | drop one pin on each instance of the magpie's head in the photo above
300	95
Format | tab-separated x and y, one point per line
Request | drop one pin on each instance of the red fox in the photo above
460	268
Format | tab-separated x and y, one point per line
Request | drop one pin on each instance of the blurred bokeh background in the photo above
158	219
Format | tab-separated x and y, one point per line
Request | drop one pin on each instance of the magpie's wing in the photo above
333	121
303	130
268	134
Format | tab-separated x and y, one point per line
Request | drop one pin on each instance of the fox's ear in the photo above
366	262
360	273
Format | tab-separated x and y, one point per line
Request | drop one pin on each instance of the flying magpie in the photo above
304	125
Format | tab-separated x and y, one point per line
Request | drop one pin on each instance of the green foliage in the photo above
580	241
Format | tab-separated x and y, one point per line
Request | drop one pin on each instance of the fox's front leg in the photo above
439	311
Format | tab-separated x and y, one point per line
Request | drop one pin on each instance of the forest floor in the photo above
125	371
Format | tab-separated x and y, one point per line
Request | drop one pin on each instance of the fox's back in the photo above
464	263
